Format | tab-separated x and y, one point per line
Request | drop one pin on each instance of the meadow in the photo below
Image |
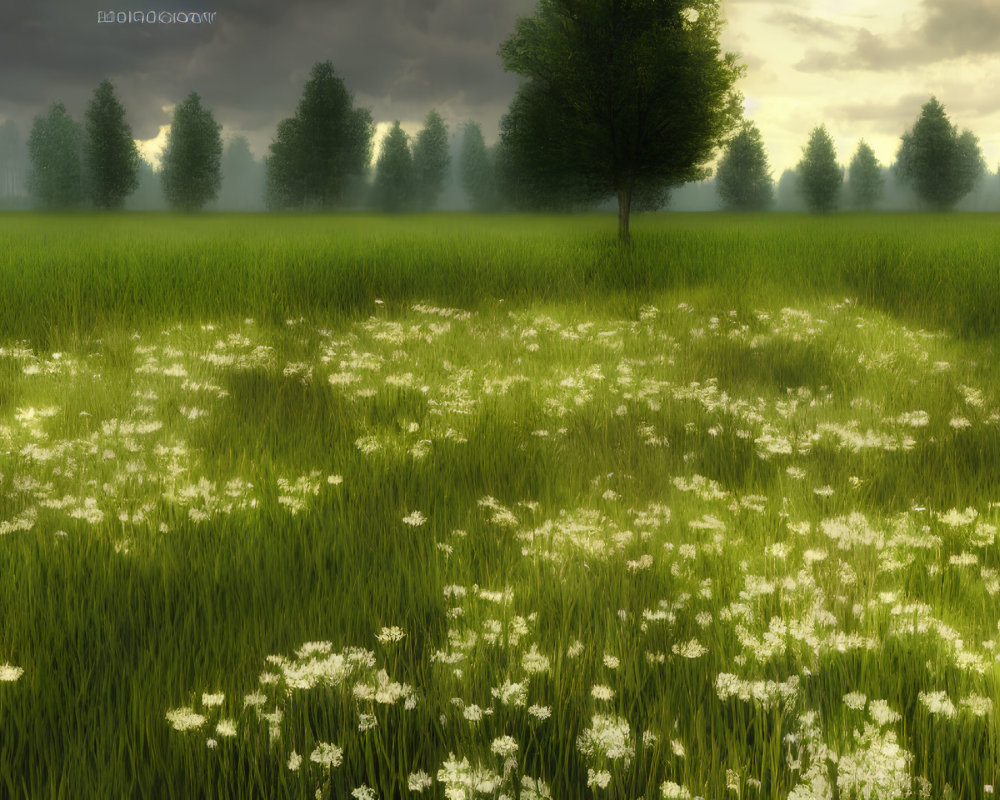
454	506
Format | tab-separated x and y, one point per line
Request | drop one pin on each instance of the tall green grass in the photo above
72	275
529	402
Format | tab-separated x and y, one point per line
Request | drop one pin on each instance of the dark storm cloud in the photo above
950	29
399	57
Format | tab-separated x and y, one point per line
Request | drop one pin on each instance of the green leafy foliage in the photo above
430	161
55	150
476	169
865	179
111	157
618	94
743	177
820	177
394	178
191	174
319	154
942	165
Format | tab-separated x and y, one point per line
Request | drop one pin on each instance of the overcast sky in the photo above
862	67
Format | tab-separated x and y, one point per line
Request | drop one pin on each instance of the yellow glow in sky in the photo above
864	69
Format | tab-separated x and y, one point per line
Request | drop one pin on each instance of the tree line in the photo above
938	163
319	159
621	100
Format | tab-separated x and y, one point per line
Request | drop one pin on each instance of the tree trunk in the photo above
624	206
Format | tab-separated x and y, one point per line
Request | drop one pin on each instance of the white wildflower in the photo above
390	635
327	755
599	779
415	519
673	791
185	719
689	649
418	781
504	746
937	703
535	662
603	693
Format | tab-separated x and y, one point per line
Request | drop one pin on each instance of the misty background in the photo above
864	72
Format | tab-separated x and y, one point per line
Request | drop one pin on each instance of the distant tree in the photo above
787	194
191	172
242	177
940	164
865	181
430	161
394	181
743	177
820	177
13	164
317	153
477	170
55	150
619	94
285	168
111	157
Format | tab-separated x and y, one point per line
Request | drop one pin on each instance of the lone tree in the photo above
191	172
430	161
619	94
476	168
55	177
317	153
864	178
942	165
820	177
743	177
393	189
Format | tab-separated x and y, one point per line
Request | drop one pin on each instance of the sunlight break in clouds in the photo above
864	70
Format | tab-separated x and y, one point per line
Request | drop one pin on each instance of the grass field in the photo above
471	507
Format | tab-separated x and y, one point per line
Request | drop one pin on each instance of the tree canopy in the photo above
316	154
55	146
864	178
820	177
743	177
111	157
476	169
394	186
619	94
940	164
191	172
430	161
